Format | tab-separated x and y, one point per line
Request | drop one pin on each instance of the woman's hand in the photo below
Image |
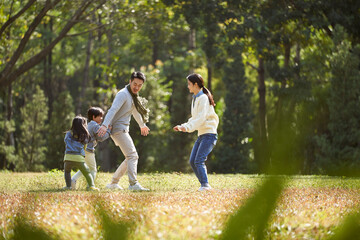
179	128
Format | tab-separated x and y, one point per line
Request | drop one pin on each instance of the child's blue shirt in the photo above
93	127
72	146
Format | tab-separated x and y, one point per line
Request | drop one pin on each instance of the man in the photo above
127	103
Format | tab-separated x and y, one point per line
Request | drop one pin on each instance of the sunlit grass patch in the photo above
308	207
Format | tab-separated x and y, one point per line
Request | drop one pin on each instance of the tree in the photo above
245	21
233	152
60	122
7	152
179	144
13	68
339	151
32	144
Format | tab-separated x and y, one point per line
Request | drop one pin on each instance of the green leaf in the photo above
255	214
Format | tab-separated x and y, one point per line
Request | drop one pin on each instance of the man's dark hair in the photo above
139	75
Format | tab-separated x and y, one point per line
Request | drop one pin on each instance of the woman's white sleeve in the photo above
199	118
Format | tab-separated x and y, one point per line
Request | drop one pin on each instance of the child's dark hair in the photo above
197	78
94	112
79	130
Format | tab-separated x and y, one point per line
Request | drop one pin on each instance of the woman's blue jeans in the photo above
202	148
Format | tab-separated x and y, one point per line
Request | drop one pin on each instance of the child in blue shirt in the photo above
75	143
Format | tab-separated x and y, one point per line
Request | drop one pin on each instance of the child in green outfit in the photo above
75	144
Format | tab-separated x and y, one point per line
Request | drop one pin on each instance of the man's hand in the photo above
102	130
179	128
145	131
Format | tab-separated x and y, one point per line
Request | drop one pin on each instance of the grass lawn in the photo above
310	207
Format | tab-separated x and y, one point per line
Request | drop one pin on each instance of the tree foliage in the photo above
32	144
233	154
283	58
60	122
339	150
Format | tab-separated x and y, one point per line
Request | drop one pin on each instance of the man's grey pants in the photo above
126	145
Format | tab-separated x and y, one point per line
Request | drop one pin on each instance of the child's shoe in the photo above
93	188
73	184
66	188
114	186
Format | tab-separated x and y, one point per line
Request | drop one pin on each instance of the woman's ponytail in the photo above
208	93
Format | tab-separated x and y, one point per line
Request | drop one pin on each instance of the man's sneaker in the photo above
93	188
73	184
66	188
114	186
137	187
207	188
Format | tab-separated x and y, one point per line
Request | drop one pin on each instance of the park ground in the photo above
309	207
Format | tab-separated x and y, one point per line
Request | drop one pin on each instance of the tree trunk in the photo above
62	80
156	43
192	46
98	60
109	52
286	62
11	140
48	86
264	154
107	162
85	81
209	71
9	136
279	105
297	60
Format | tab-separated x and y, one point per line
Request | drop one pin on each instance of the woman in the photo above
205	121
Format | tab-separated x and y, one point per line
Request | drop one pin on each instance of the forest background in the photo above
285	76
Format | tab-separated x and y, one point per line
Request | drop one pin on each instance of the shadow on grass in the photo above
112	229
53	190
24	229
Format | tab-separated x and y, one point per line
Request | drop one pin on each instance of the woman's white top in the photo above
203	116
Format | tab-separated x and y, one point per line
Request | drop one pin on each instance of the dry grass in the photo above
309	207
